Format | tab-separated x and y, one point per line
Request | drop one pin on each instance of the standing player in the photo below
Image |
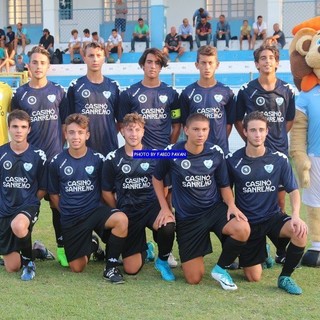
97	97
23	183
75	187
276	100
257	171
46	104
204	203
5	103
210	98
132	180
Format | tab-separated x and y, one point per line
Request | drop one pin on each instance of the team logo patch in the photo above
7	165
245	170
86	93
107	94
218	97
279	101
27	166
208	163
142	98
89	169
68	170
144	166
197	98
32	100
185	164
268	168
51	98
163	98
260	101
126	168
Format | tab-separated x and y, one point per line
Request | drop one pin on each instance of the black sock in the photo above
115	246
57	227
94	245
165	238
294	255
231	249
26	248
282	246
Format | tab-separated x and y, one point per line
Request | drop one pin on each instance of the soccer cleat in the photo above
113	275
99	254
28	271
281	259
288	285
164	268
233	266
61	256
223	277
269	262
44	253
150	252
173	263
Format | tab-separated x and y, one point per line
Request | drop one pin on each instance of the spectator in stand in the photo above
222	31
259	31
47	41
22	38
198	14
245	33
185	32
114	45
74	44
2	38
278	39
173	44
86	39
203	31
10	35
121	16
20	64
140	34
97	39
9	57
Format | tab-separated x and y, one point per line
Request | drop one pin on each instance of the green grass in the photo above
56	293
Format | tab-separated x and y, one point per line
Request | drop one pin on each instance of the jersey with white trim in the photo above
131	178
21	176
98	101
78	182
256	182
47	108
159	108
195	180
5	102
277	105
217	103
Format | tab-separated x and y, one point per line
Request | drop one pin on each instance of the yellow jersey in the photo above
5	105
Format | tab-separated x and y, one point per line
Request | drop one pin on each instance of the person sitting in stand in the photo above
173	44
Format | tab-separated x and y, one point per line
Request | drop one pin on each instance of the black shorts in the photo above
115	50
8	241
136	239
78	238
193	235
254	252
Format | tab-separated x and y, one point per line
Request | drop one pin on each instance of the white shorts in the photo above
311	196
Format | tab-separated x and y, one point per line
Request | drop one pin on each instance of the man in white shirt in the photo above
114	45
185	32
259	30
74	44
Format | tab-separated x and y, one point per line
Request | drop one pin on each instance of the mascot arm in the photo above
298	148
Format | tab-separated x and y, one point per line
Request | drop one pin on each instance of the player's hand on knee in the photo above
164	216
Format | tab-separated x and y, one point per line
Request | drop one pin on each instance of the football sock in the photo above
57	226
294	255
282	246
26	248
165	240
231	249
115	246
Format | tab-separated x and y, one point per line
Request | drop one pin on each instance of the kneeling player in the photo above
132	180
257	172
197	183
75	188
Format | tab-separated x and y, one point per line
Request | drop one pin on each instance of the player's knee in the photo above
241	230
19	228
76	268
121	222
194	278
132	270
252	276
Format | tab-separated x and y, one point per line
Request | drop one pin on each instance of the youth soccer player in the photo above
46	104
75	188
210	98
131	178
204	203
97	97
23	184
5	103
257	171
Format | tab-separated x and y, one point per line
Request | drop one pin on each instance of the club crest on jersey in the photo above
268	168
218	97
163	98
197	98
142	98
144	166
51	98
86	93
126	168
260	101
68	170
27	166
208	163
7	165
245	170
185	164
107	94
32	100
279	101
89	169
